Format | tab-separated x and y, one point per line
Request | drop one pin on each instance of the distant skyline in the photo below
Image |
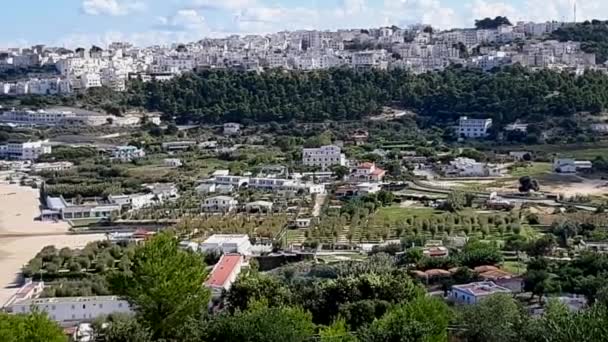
73	23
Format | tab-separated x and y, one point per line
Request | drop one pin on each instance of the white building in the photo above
40	117
568	165
72	309
227	243
219	204
173	162
30	150
235	181
473	128
466	167
232	128
127	153
323	157
58	166
368	172
472	293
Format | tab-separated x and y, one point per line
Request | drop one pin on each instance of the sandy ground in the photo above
18	208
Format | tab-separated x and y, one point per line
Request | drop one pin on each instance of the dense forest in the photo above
593	36
345	94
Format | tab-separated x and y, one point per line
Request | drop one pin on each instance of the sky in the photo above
73	23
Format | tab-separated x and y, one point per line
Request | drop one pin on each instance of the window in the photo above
100	306
84	306
73	307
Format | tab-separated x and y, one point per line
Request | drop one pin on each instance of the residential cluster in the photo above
418	48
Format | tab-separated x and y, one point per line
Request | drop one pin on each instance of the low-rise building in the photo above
467	167
368	172
259	206
57	166
224	273
72	309
219	204
568	165
127	153
178	145
323	157
30	150
173	162
232	128
59	208
473	128
472	293
227	243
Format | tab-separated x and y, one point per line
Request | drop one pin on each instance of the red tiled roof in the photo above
378	172
366	165
222	271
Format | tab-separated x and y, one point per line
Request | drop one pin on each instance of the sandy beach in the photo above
19	206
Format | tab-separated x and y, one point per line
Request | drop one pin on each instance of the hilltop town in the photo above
425	185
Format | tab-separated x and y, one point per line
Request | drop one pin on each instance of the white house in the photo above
57	166
173	162
127	153
568	165
261	206
219	204
323	157
30	150
232	128
72	309
205	188
472	293
235	181
227	243
368	172
473	128
466	167
368	188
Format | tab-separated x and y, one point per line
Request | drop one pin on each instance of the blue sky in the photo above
73	23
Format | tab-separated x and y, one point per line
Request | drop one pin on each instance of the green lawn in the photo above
400	214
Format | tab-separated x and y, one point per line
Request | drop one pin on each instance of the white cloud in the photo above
111	7
404	12
223	4
184	20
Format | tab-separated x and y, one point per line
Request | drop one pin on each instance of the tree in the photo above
385	197
422	319
489	23
336	332
497	318
542	246
35	326
527	184
261	324
172	129
455	201
120	328
477	253
164	286
340	171
256	287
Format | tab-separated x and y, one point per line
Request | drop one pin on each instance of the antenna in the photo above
575	11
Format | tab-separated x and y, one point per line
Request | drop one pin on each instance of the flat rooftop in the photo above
35	301
483	288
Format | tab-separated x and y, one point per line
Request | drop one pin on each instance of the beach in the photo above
21	236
